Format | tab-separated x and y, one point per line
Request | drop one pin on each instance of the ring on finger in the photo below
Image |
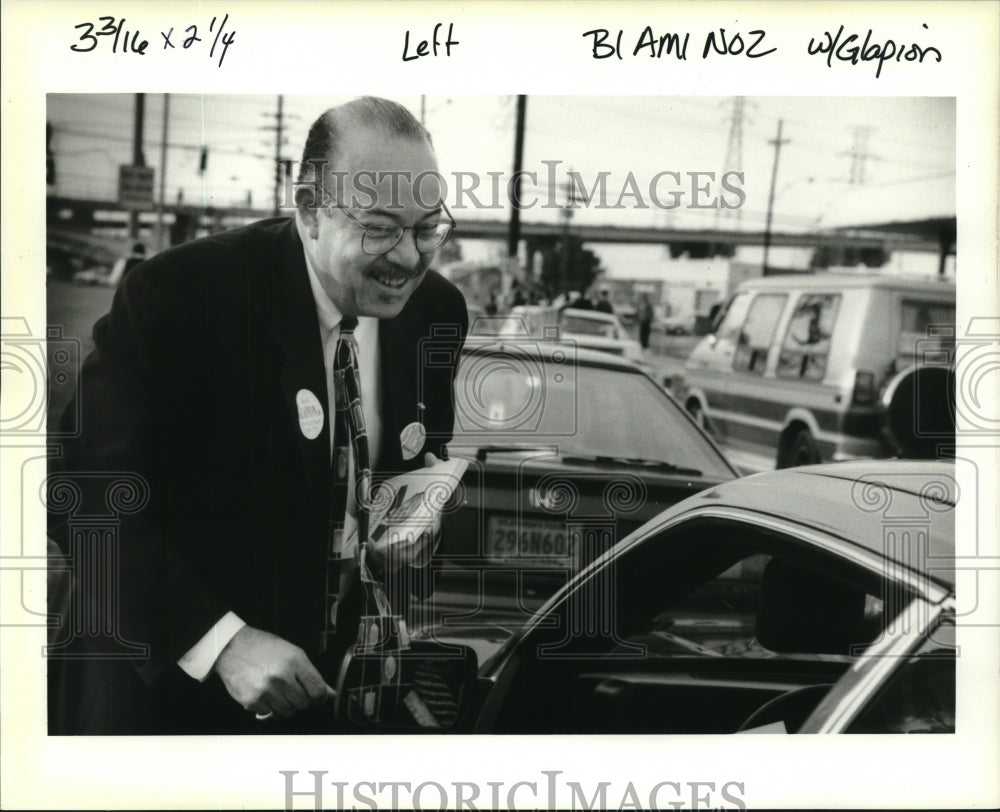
263	717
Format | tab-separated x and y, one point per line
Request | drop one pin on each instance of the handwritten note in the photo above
112	32
838	47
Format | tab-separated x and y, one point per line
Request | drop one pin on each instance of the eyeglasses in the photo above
380	239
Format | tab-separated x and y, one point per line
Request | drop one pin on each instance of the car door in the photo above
747	408
721	622
729	371
908	688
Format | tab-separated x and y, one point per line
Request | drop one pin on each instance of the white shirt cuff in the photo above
200	658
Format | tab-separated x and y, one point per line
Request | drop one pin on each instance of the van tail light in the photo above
864	387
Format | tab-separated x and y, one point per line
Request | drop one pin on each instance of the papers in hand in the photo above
407	506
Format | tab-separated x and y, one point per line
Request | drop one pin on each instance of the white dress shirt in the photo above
197	662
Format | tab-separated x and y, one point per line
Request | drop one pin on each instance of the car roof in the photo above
858	279
595	315
547	350
863	502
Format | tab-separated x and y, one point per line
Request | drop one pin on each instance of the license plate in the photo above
532	543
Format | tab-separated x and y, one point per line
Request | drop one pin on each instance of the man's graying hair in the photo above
369	112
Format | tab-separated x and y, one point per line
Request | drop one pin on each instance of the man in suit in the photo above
211	381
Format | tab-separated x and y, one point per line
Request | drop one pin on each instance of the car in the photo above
598	331
806	368
673	325
818	599
591	329
482	324
555	435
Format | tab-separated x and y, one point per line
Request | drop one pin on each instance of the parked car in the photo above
598	331
673	325
785	602
570	450
808	368
476	311
590	329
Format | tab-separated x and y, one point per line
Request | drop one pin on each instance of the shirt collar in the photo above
328	313
326	310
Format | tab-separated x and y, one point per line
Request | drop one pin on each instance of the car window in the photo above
919	697
585	410
731	326
696	630
807	341
927	333
581	325
765	606
758	333
499	326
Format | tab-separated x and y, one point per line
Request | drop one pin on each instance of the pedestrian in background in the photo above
644	315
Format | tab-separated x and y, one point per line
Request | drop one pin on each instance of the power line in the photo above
191	147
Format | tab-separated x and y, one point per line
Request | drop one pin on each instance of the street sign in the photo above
135	187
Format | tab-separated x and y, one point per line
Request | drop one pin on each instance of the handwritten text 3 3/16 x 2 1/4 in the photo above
94	34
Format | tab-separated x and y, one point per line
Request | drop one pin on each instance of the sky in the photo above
891	145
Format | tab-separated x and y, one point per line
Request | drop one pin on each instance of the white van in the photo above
808	368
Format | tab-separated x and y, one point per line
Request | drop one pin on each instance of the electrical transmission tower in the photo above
734	151
859	154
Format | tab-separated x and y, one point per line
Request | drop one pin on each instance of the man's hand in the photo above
267	674
415	553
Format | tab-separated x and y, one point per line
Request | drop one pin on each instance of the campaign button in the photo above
310	414
412	439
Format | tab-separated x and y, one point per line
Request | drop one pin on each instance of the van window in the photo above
807	342
927	333
728	332
758	333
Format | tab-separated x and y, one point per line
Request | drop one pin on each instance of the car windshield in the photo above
582	411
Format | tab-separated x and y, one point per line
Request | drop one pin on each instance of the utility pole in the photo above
161	243
514	231
279	135
777	143
138	159
279	141
567	215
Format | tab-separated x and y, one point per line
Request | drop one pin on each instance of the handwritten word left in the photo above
106	27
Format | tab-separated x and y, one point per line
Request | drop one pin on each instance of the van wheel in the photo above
801	450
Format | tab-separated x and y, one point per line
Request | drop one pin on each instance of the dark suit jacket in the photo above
192	386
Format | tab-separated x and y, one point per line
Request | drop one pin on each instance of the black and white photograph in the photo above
421	439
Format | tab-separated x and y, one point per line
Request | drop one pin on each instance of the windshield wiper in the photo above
633	462
510	448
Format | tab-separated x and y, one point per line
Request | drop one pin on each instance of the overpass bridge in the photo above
74	223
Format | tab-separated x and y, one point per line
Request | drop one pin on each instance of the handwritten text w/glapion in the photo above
836	46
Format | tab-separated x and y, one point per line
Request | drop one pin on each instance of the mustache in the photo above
385	267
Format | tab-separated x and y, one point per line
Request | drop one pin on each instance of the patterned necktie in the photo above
350	442
381	632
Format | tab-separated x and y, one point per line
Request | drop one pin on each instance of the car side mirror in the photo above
428	688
